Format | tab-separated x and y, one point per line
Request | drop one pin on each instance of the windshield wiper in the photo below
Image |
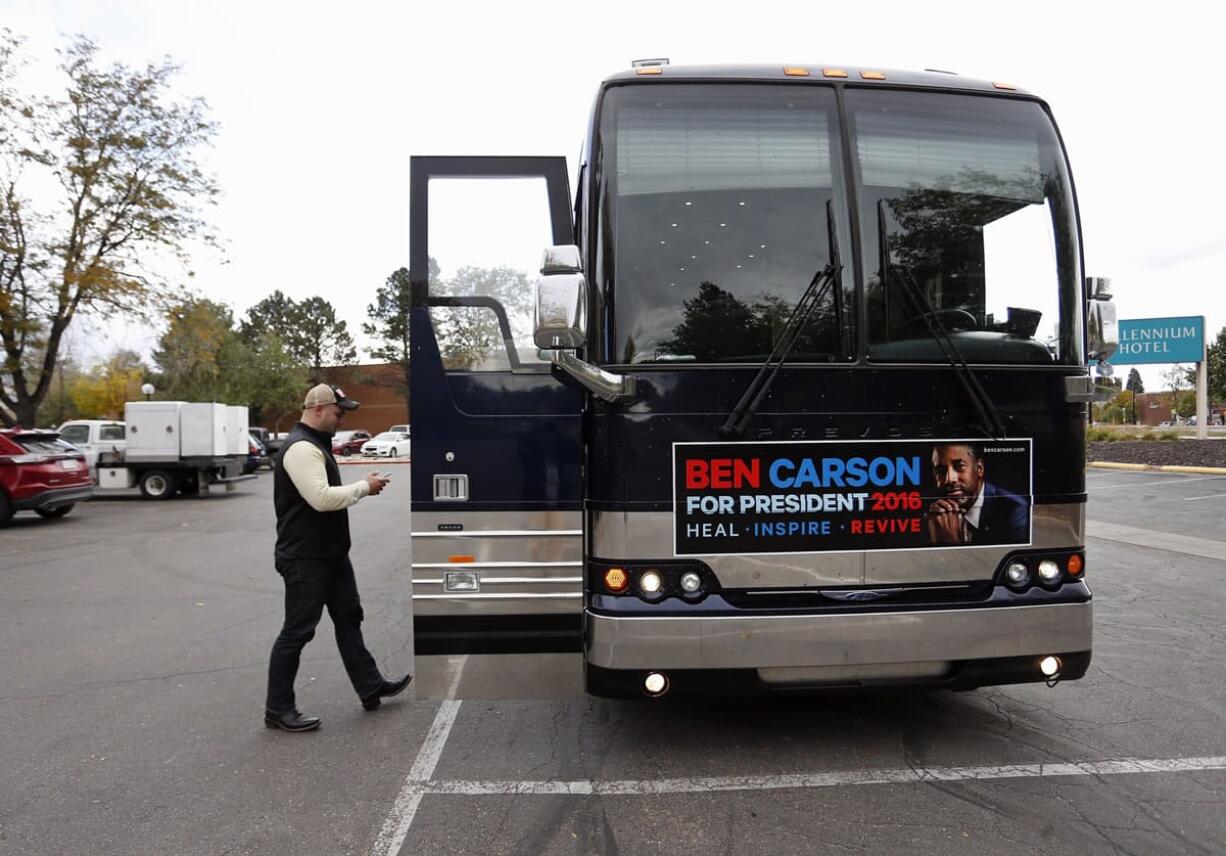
823	281
989	417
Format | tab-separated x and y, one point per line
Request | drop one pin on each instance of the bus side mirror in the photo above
1102	327
561	315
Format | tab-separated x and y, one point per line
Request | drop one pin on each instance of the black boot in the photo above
371	701
290	721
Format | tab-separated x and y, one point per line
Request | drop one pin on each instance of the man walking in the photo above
312	556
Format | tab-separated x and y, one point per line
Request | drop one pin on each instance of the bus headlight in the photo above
650	585
1017	575
690	582
1049	572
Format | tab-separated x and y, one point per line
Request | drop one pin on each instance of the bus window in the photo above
967	219
486	238
715	199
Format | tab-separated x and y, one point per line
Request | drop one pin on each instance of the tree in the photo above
389	321
198	342
1135	387
1215	357
328	340
264	375
1185	404
202	357
1135	383
122	154
103	392
309	330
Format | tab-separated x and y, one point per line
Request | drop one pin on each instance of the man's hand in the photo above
377	482
946	523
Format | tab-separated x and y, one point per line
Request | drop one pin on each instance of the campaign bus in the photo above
790	395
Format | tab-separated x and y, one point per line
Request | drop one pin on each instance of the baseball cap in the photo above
323	394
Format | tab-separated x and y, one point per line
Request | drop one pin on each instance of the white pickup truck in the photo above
166	447
94	436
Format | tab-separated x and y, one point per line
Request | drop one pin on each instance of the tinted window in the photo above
715	210
76	433
111	432
967	222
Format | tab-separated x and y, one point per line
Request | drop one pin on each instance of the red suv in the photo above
345	443
39	472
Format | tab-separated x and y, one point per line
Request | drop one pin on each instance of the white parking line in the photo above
1210	496
902	775
400	818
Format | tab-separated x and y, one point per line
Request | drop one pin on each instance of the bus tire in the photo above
157	484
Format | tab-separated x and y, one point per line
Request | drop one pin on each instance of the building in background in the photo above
381	389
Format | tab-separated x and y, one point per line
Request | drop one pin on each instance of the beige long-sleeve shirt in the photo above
304	464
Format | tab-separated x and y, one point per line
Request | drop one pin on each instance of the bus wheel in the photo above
53	513
157	484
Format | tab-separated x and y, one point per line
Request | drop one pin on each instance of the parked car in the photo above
389	444
346	443
403	429
261	434
274	444
42	473
257	455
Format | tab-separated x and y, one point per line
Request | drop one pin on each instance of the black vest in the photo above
303	532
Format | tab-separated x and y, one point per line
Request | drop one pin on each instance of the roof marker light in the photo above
872	75
795	71
833	72
651	69
1008	86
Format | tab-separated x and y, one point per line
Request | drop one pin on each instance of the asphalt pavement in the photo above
136	636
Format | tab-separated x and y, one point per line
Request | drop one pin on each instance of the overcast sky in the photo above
321	106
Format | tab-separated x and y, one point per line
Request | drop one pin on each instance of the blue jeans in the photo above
310	585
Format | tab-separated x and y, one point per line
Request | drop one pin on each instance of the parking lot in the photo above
136	637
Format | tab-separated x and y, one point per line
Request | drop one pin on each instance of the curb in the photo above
1168	468
379	461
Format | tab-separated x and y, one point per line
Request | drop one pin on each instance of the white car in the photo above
389	444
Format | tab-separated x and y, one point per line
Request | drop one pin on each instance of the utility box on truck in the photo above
178	447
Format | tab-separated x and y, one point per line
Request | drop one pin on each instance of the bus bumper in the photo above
955	648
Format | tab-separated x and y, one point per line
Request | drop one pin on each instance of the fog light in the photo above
690	582
1017	574
1049	666
656	684
1049	571
650	584
615	580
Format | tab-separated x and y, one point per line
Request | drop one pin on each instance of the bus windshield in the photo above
718	218
714	204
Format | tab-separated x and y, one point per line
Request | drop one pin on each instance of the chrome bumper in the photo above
843	642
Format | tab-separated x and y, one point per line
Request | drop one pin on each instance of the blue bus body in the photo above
904	501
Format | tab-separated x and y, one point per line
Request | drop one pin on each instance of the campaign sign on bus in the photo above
828	496
1160	340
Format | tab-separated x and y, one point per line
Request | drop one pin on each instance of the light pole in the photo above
147	390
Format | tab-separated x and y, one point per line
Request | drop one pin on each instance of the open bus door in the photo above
497	547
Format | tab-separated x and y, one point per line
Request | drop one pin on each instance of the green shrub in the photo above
1101	435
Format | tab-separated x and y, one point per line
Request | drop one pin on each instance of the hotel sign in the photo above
1161	340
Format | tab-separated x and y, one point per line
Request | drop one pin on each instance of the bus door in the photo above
497	547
